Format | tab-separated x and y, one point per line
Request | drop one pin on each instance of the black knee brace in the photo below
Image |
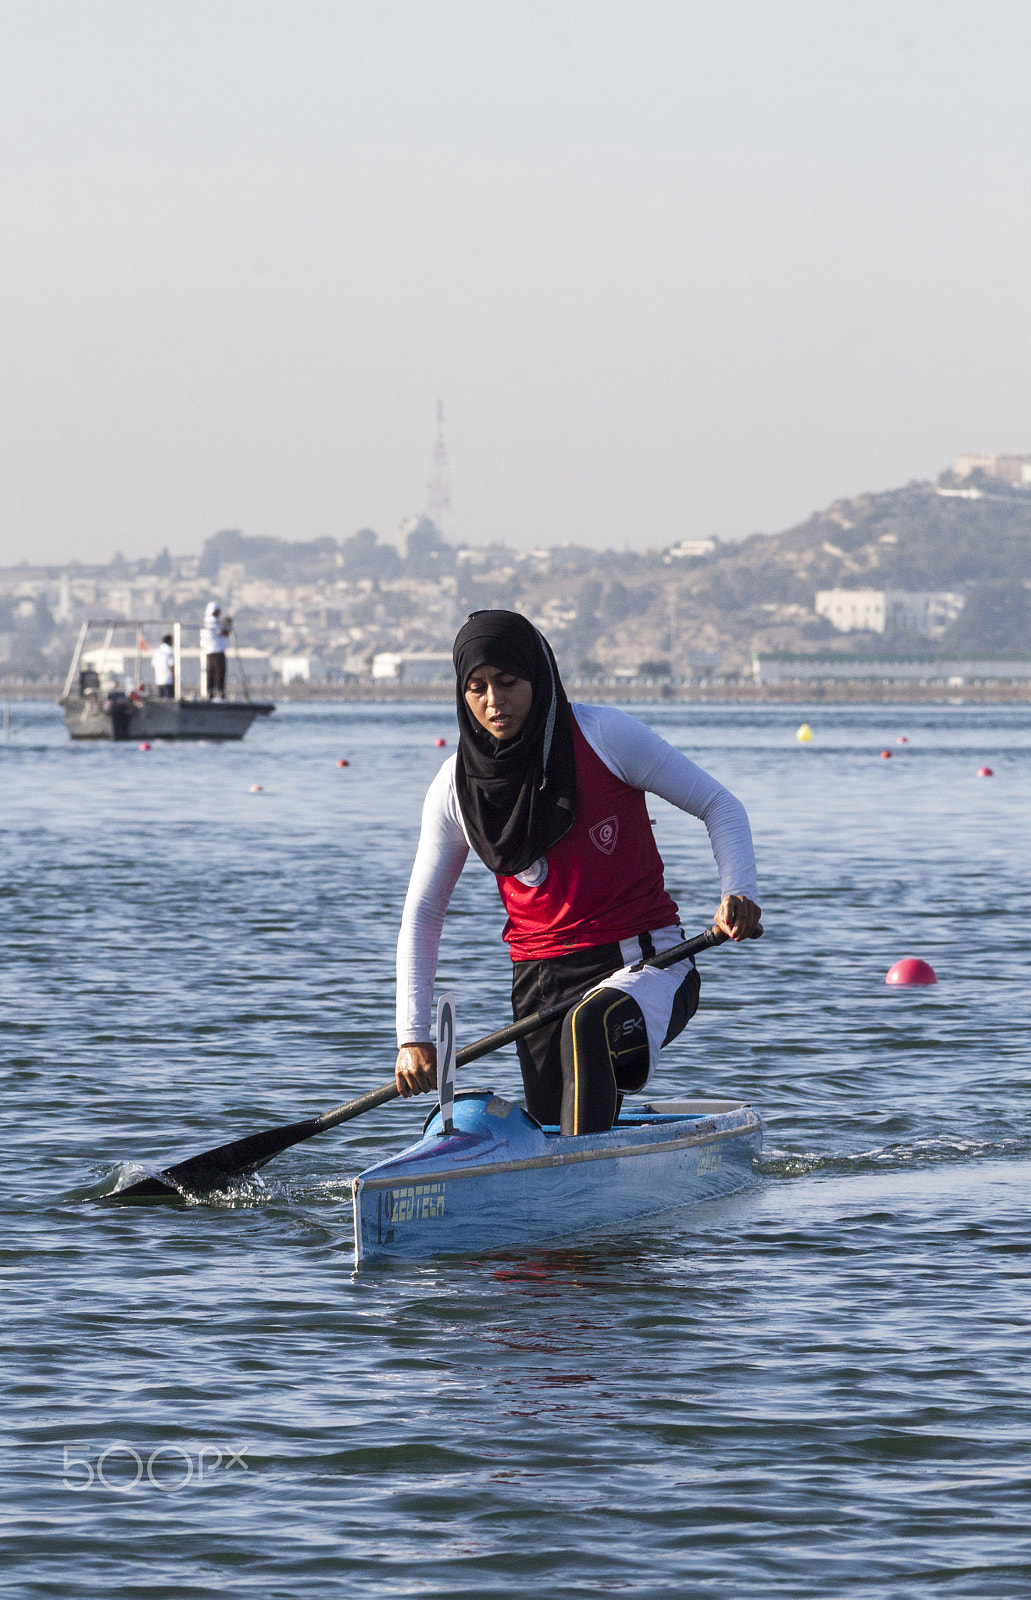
604	1054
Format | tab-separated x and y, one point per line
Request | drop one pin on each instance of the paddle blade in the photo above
137	1194
218	1169
446	1060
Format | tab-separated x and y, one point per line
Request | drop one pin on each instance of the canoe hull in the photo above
502	1180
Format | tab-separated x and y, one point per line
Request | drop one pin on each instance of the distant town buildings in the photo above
1014	470
888	610
421	666
363	611
955	673
687	549
298	669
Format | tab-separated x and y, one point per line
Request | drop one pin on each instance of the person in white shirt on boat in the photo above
162	664
551	797
214	639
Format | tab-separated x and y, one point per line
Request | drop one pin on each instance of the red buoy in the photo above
911	972
885	755
343	763
985	772
440	743
144	745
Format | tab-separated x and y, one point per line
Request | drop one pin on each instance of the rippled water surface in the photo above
817	1387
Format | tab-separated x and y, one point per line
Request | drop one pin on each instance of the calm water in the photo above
818	1387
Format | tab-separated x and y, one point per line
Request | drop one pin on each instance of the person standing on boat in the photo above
551	797
214	637
162	664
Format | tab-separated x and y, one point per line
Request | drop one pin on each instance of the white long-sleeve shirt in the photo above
214	636
631	751
162	662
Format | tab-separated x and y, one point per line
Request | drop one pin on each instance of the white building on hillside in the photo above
413	666
299	669
888	610
1014	470
688	549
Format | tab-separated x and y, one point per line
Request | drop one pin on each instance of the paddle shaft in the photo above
213	1169
518	1030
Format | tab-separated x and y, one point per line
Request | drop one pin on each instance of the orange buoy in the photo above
911	972
256	788
985	772
343	763
440	743
145	745
885	755
902	739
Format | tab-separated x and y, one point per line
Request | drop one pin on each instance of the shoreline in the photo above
607	694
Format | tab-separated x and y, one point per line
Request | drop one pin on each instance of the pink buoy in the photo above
144	745
885	755
343	763
440	743
985	772
902	739
911	972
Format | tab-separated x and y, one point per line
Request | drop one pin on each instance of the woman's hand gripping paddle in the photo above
217	1170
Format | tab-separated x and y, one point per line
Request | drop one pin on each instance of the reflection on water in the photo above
814	1386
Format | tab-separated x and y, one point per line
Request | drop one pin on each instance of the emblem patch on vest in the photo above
604	834
534	875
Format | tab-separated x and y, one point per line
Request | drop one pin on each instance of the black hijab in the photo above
518	796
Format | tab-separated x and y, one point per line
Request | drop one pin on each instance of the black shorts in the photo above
537	984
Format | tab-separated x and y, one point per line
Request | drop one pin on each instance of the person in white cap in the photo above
214	636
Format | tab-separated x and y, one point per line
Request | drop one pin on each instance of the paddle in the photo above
215	1169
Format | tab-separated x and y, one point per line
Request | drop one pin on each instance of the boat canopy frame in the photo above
114	624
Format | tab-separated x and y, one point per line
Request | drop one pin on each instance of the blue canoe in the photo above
501	1179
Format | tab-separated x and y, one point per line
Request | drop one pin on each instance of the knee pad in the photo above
611	1024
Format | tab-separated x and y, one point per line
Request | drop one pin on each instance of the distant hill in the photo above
654	612
913	538
758	595
919	538
607	610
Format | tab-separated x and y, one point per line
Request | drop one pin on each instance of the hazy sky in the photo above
674	268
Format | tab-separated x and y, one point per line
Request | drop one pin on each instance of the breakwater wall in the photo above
747	693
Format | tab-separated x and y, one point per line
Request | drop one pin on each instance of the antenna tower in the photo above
438	490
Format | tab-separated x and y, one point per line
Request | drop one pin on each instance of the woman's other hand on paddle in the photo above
737	917
416	1069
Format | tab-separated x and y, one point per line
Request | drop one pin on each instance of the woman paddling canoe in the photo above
551	797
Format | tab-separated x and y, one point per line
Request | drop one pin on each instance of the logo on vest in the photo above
533	876
604	835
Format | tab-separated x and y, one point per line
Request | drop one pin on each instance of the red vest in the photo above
604	879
